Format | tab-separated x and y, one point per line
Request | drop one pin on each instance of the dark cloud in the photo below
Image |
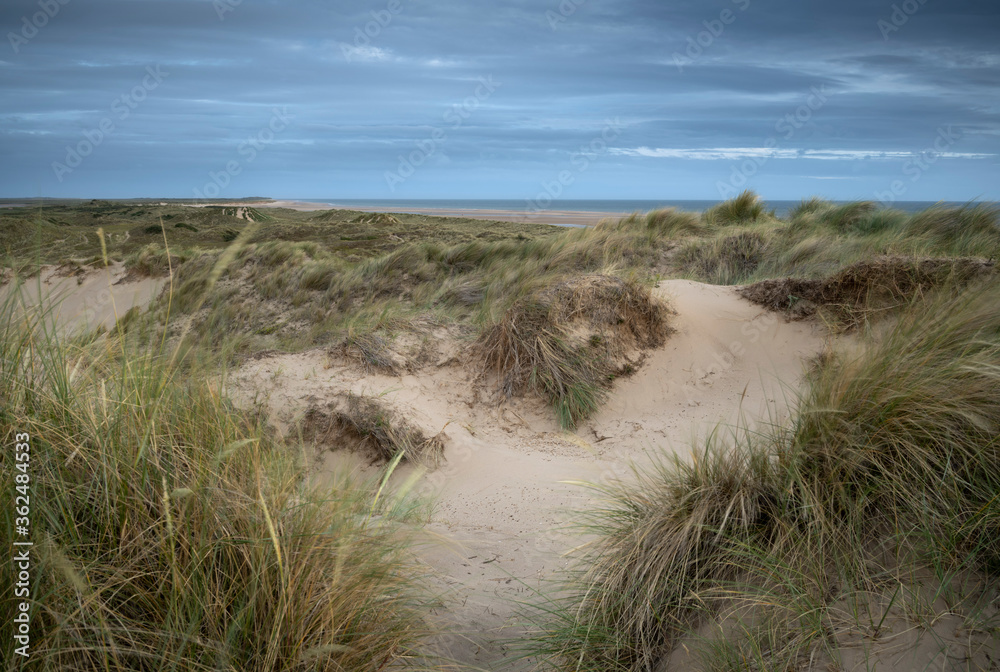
364	84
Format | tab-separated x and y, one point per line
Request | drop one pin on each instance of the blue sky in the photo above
500	99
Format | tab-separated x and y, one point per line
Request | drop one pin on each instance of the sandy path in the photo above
502	494
85	300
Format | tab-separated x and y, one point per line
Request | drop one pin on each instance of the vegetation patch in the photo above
742	209
376	219
867	287
374	351
725	260
569	341
887	472
174	532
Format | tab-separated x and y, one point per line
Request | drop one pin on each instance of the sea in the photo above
624	206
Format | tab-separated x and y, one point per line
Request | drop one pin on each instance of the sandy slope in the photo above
83	300
502	494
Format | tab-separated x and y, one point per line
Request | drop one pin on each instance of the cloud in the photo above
363	95
736	153
364	53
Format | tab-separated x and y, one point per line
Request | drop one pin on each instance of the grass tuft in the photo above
373	428
568	341
742	209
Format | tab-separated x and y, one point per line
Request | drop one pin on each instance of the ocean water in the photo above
781	208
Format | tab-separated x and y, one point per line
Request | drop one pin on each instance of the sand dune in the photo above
86	299
504	491
510	479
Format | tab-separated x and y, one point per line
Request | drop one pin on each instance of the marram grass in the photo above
889	466
173	532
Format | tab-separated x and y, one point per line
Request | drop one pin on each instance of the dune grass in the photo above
293	292
173	531
819	238
890	465
571	340
745	208
355	281
291	295
365	423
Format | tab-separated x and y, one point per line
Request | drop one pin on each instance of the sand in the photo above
82	300
511	476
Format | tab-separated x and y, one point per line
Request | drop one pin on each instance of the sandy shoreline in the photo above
557	217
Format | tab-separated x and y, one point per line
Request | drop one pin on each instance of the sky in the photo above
535	100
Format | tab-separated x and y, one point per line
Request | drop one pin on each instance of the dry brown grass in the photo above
865	288
368	425
373	350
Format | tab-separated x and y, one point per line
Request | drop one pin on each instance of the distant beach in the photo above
557	217
571	212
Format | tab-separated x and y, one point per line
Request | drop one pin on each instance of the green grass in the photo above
173	531
742	209
50	232
569	341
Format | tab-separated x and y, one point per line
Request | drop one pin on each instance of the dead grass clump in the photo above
369	426
569	341
864	288
374	351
